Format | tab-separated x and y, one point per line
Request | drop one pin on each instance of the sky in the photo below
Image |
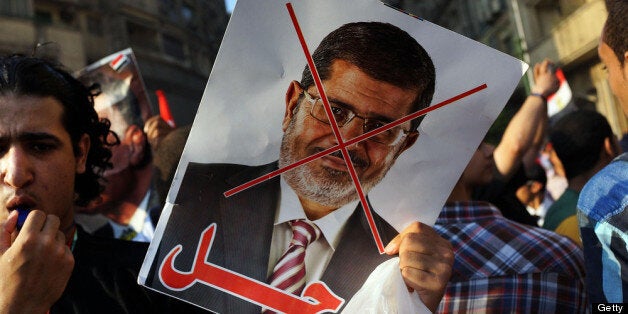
230	4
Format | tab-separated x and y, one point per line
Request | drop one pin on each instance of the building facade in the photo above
565	31
175	41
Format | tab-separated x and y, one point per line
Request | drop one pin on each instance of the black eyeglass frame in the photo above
390	137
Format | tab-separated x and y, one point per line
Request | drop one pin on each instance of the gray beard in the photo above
324	190
333	188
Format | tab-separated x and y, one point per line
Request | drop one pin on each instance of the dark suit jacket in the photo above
244	232
153	210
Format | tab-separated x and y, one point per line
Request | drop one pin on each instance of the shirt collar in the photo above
137	220
330	225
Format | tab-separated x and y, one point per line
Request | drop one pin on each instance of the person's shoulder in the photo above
563	208
606	193
104	280
92	249
546	250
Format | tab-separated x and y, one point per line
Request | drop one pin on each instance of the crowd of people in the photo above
507	239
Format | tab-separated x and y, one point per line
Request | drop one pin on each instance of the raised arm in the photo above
527	127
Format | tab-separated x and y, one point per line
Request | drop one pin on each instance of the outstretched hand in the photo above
35	264
426	261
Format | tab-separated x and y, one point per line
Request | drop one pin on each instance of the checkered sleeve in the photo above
527	293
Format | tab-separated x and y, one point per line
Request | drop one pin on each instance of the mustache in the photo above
356	160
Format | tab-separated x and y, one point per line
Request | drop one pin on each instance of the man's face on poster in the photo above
326	180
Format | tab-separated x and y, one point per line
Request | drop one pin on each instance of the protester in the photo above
533	194
167	155
502	266
602	214
554	171
156	129
54	149
524	133
584	143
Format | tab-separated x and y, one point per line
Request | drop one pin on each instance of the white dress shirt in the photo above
317	254
140	223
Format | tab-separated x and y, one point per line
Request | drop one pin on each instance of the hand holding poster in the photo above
264	151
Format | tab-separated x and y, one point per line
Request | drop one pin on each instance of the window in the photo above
94	25
173	47
18	8
43	17
187	13
142	36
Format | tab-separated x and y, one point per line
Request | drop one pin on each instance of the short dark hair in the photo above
578	138
22	75
384	52
615	33
536	173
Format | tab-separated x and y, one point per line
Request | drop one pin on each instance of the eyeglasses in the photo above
343	116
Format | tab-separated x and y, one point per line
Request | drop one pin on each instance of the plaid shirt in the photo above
505	267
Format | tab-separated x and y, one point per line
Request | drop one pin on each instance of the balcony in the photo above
17	35
579	33
575	37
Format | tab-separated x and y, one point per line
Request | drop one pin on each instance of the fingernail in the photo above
391	247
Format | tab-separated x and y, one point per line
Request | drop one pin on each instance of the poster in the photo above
214	242
123	100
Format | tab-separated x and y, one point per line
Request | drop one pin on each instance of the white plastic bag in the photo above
385	292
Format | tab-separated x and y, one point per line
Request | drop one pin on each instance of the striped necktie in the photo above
289	273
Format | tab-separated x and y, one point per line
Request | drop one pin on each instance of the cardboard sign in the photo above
224	227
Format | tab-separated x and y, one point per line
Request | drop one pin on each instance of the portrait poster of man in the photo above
225	224
122	99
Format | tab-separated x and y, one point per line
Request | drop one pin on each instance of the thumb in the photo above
6	229
393	246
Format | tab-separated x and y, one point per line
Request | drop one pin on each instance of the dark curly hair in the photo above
21	75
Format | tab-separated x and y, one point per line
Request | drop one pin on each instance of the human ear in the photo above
137	144
611	147
410	140
625	64
82	150
292	100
